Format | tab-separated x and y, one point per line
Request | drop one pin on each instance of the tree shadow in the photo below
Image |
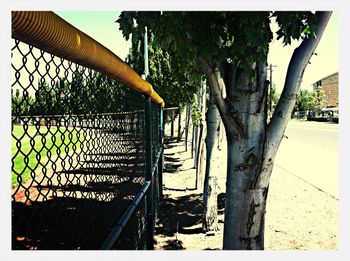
180	215
169	139
174	245
171	167
170	159
169	146
221	203
183	190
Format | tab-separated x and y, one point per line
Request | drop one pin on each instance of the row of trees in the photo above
229	49
84	94
305	100
310	100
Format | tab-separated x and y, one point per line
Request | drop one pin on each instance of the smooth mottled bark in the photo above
210	215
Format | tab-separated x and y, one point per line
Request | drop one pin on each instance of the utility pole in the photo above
270	104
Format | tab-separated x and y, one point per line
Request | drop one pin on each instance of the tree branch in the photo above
216	85
295	72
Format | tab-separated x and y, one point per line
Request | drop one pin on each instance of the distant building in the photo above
330	86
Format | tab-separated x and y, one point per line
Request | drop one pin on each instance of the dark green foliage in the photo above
195	112
46	99
21	103
294	25
238	37
87	93
166	74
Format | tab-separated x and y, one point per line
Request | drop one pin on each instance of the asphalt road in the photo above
310	152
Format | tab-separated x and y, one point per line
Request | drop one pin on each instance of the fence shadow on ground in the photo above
80	212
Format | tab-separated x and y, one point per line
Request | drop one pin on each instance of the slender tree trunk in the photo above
198	154
188	112
179	125
202	161
200	169
172	123
192	143
210	216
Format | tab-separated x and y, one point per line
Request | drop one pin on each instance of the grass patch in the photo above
31	149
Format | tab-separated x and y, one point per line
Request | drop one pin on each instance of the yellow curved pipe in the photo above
49	32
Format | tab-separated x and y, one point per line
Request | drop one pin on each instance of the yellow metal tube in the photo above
47	31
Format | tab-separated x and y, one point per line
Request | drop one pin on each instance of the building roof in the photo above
325	77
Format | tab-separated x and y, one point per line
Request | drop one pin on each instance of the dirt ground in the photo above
298	216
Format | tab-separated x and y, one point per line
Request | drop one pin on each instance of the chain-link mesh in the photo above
78	152
133	236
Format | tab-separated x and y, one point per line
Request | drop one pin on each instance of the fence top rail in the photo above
47	31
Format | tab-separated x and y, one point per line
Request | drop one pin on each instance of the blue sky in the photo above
102	27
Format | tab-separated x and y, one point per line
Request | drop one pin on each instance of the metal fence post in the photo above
161	158
149	174
172	124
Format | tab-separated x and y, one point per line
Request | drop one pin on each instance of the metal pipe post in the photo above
161	158
149	173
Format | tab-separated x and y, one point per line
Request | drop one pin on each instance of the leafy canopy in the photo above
239	37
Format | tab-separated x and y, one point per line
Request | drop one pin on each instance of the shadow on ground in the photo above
179	214
78	207
172	163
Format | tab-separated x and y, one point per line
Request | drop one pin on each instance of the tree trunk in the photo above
172	123
245	202
179	125
210	215
244	119
245	205
188	112
201	159
198	154
252	145
201	164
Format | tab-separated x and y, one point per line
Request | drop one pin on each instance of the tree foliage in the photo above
175	85
310	100
87	92
240	37
21	103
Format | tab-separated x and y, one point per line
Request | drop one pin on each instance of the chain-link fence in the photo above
78	155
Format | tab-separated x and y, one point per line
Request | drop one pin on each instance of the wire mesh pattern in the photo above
78	152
